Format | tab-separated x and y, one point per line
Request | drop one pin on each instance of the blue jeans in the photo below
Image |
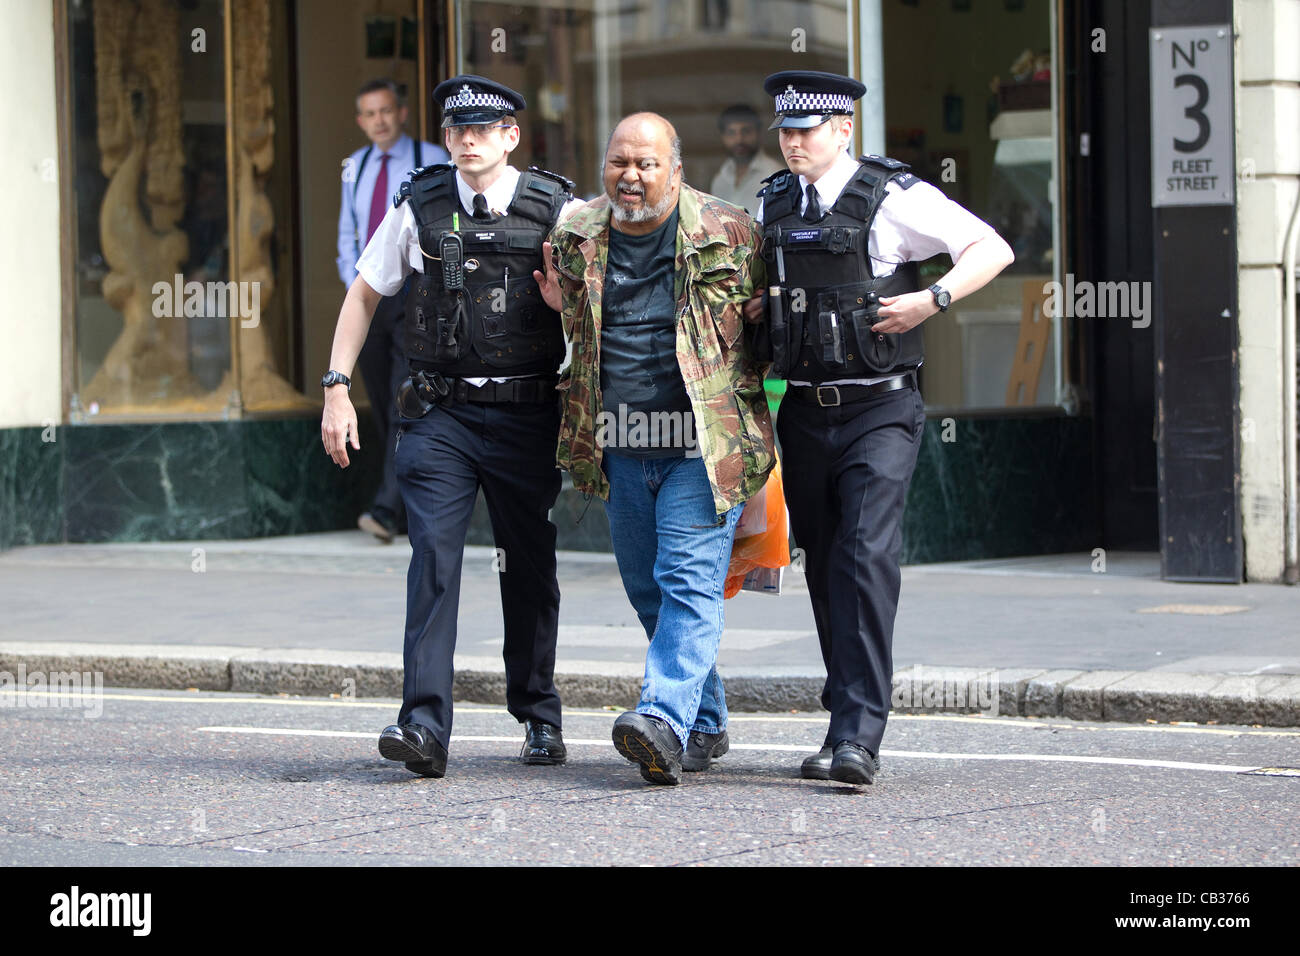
673	550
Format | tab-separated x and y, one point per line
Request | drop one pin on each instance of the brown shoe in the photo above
372	525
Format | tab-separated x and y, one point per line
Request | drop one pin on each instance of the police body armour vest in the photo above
498	322
822	329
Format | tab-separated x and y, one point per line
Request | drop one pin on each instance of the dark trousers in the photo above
442	460
383	365
846	472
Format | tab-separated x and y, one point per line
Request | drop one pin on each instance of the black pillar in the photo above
1195	324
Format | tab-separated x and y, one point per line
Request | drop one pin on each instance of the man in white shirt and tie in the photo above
370	177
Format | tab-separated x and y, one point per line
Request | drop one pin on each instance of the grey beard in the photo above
645	213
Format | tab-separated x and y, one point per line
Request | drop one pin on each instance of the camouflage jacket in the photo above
718	268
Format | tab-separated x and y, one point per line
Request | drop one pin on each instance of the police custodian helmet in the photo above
469	100
808	98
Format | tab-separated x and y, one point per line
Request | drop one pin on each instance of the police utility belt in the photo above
830	396
419	393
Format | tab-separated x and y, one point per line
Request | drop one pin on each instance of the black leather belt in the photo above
830	396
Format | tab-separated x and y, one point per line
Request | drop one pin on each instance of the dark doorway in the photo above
1111	240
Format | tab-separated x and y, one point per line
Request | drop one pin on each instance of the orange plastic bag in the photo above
762	535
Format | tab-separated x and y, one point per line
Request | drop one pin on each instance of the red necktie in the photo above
379	198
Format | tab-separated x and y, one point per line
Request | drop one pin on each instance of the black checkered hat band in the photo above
469	100
792	101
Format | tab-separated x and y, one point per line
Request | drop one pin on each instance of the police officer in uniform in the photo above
842	239
479	410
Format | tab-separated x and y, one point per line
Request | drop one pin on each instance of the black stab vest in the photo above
498	323
822	329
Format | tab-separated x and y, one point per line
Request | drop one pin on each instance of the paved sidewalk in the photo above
307	614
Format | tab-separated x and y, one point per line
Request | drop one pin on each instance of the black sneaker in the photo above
650	742
702	749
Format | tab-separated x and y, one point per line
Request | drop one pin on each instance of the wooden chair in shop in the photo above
1031	348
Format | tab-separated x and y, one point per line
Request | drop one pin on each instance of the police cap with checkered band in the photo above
808	98
470	100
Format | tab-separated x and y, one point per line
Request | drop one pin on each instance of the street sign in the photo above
1191	116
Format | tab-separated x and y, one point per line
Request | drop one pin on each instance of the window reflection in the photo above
976	120
585	66
155	301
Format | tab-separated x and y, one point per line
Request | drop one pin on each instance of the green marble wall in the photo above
999	487
177	481
580	522
31	485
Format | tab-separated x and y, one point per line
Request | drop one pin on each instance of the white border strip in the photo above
788	748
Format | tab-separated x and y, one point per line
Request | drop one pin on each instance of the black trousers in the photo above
846	472
441	461
383	365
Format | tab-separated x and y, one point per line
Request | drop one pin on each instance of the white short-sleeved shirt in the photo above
393	252
911	224
745	193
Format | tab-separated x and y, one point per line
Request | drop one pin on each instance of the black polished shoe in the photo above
543	743
853	764
414	746
702	749
818	766
650	742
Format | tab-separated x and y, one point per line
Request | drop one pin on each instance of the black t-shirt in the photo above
642	392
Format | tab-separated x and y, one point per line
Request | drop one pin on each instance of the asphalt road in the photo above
163	778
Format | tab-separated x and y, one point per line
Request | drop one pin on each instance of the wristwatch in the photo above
942	297
335	378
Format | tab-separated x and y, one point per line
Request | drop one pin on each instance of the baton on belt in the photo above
777	315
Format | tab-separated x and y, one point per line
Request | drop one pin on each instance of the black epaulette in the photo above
780	195
404	191
895	169
430	170
774	184
568	184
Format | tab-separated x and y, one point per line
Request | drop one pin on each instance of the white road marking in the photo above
1024	723
791	748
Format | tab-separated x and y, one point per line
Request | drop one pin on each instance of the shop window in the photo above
159	301
341	45
584	66
968	103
